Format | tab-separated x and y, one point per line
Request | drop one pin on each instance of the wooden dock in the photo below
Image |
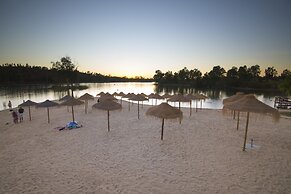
282	103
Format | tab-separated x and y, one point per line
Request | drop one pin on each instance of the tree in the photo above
243	73
183	75
254	71
270	73
285	86
232	74
285	73
195	74
216	73
64	65
158	76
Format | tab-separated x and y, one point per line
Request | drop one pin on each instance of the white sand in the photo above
202	155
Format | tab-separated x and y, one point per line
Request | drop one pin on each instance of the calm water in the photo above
40	93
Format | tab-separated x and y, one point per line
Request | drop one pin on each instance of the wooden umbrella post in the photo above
201	105
237	121
190	108
86	106
73	113
48	115
196	106
138	109
246	133
234	114
162	129
29	113
128	105
108	120
179	106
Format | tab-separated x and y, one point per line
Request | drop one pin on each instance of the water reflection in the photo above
39	93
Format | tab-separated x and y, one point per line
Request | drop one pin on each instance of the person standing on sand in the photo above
15	116
20	111
10	105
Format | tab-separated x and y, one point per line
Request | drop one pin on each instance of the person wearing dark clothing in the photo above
15	116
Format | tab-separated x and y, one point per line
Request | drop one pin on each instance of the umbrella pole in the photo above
196	105
190	108
73	113
179	106
201	105
156	101
138	109
234	114
121	100
48	115
108	120
29	113
162	135
86	106
246	133
128	105
237	121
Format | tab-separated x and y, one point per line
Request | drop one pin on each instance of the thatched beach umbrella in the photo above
128	96
65	98
108	105
100	94
233	98
121	94
72	102
28	104
47	104
155	96
106	96
166	96
191	97
85	98
248	104
138	98
201	97
165	111
179	98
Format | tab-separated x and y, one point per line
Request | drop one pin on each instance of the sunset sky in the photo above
137	37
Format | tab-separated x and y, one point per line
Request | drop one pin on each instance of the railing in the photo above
281	102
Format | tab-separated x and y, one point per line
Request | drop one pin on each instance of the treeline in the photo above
219	78
60	72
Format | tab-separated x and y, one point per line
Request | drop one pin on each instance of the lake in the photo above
40	93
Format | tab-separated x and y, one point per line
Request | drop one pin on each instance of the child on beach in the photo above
20	111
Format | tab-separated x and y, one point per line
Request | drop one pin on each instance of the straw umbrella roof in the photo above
66	97
179	98
115	94
165	111
192	97
101	93
28	103
107	105
107	97
72	102
155	96
47	104
143	94
166	96
201	96
86	96
249	103
232	98
129	95
138	97
121	94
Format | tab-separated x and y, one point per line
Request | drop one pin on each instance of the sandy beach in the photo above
203	154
